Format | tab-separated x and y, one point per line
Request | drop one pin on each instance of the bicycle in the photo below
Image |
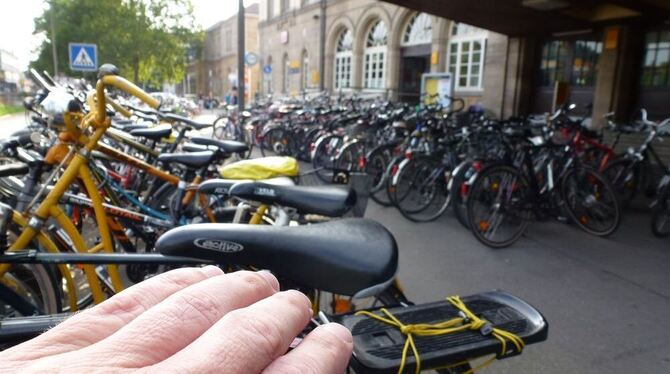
504	199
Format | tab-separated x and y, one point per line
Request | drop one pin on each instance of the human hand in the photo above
190	320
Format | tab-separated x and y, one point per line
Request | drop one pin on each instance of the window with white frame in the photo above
343	56
419	30
374	60
467	49
305	70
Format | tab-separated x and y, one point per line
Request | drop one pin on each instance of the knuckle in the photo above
295	298
202	306
255	282
118	305
183	277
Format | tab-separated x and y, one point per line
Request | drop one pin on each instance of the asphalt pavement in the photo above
607	300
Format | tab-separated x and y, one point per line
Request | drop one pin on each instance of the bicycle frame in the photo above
77	169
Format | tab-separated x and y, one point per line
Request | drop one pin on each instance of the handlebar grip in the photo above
19	140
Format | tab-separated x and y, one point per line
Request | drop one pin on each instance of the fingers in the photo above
245	340
180	319
101	321
325	350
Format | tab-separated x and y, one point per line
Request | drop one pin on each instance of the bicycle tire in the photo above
377	166
486	180
605	192
322	160
624	175
459	197
428	184
43	289
660	215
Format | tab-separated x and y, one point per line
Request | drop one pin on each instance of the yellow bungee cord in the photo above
469	322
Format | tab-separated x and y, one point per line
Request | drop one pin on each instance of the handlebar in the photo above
19	141
122	84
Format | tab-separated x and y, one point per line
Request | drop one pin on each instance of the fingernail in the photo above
271	279
340	331
212	271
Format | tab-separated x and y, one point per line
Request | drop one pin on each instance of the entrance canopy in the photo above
541	17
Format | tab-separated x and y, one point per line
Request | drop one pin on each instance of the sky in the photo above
16	23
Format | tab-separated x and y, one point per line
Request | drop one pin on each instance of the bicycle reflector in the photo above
477	165
361	162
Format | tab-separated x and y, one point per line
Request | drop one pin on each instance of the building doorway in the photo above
571	61
414	56
411	69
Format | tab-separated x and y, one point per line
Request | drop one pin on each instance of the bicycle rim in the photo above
591	201
497	203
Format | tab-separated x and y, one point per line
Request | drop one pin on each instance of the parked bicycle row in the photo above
496	176
99	193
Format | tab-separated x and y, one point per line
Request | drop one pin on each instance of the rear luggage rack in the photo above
378	346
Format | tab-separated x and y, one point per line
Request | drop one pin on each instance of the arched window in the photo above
285	67
305	70
343	55
419	30
375	56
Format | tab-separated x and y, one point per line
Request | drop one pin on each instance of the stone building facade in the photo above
215	72
375	48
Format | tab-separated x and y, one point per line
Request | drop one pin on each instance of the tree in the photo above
147	39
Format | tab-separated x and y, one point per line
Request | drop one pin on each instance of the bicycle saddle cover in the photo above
153	133
193	159
261	168
228	146
354	257
323	200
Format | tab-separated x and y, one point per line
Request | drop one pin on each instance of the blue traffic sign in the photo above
83	57
267	69
251	59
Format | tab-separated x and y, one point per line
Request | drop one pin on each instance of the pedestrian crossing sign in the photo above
83	57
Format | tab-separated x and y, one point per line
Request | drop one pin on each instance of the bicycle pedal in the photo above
378	346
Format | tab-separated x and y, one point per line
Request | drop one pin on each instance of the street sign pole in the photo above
54	53
240	58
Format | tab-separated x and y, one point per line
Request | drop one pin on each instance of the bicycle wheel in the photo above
377	167
277	142
421	190
391	179
660	216
323	156
220	128
349	158
459	192
624	174
590	201
27	289
498	206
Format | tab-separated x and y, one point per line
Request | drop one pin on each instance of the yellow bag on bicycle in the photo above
261	168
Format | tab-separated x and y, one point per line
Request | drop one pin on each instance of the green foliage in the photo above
147	39
9	109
